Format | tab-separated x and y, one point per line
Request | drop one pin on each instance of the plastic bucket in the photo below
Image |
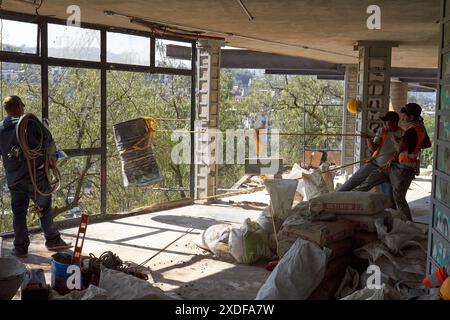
59	275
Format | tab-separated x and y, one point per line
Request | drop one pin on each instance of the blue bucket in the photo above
60	263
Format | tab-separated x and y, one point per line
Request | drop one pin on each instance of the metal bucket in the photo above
12	272
139	166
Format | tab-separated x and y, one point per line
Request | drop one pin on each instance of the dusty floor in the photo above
184	270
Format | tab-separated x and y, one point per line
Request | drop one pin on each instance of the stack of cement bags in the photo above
362	209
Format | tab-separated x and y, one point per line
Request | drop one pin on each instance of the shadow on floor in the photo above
186	221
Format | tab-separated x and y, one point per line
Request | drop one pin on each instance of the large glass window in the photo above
173	54
128	49
74	107
73	43
25	43
80	187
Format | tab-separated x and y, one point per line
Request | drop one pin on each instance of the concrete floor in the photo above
183	270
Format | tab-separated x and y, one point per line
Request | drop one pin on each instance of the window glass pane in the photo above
74	107
80	187
445	98
173	54
443	159
23	80
18	36
444	128
166	98
442	190
128	49
73	43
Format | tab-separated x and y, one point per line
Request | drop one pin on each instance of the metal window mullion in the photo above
103	124
44	68
193	116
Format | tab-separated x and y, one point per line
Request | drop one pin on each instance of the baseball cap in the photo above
390	116
412	109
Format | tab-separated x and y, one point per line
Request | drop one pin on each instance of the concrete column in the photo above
399	97
374	79
349	119
206	124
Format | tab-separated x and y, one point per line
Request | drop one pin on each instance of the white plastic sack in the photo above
249	243
281	193
122	286
352	202
385	293
297	274
402	234
328	176
215	239
349	284
91	293
315	184
409	266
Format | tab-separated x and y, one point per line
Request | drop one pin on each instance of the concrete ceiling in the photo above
329	28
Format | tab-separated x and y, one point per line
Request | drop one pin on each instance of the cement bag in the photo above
122	286
401	234
281	193
353	202
364	223
215	239
133	141
297	274
328	176
249	243
320	232
385	293
315	184
409	266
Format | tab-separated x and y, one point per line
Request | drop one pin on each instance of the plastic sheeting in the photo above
297	274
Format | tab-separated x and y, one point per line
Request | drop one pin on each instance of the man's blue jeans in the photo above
21	193
361	175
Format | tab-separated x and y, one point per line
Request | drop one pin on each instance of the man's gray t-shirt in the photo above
388	147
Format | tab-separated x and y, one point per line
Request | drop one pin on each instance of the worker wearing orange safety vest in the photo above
383	149
406	164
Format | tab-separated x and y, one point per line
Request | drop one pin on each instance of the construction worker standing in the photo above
19	179
403	169
382	148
